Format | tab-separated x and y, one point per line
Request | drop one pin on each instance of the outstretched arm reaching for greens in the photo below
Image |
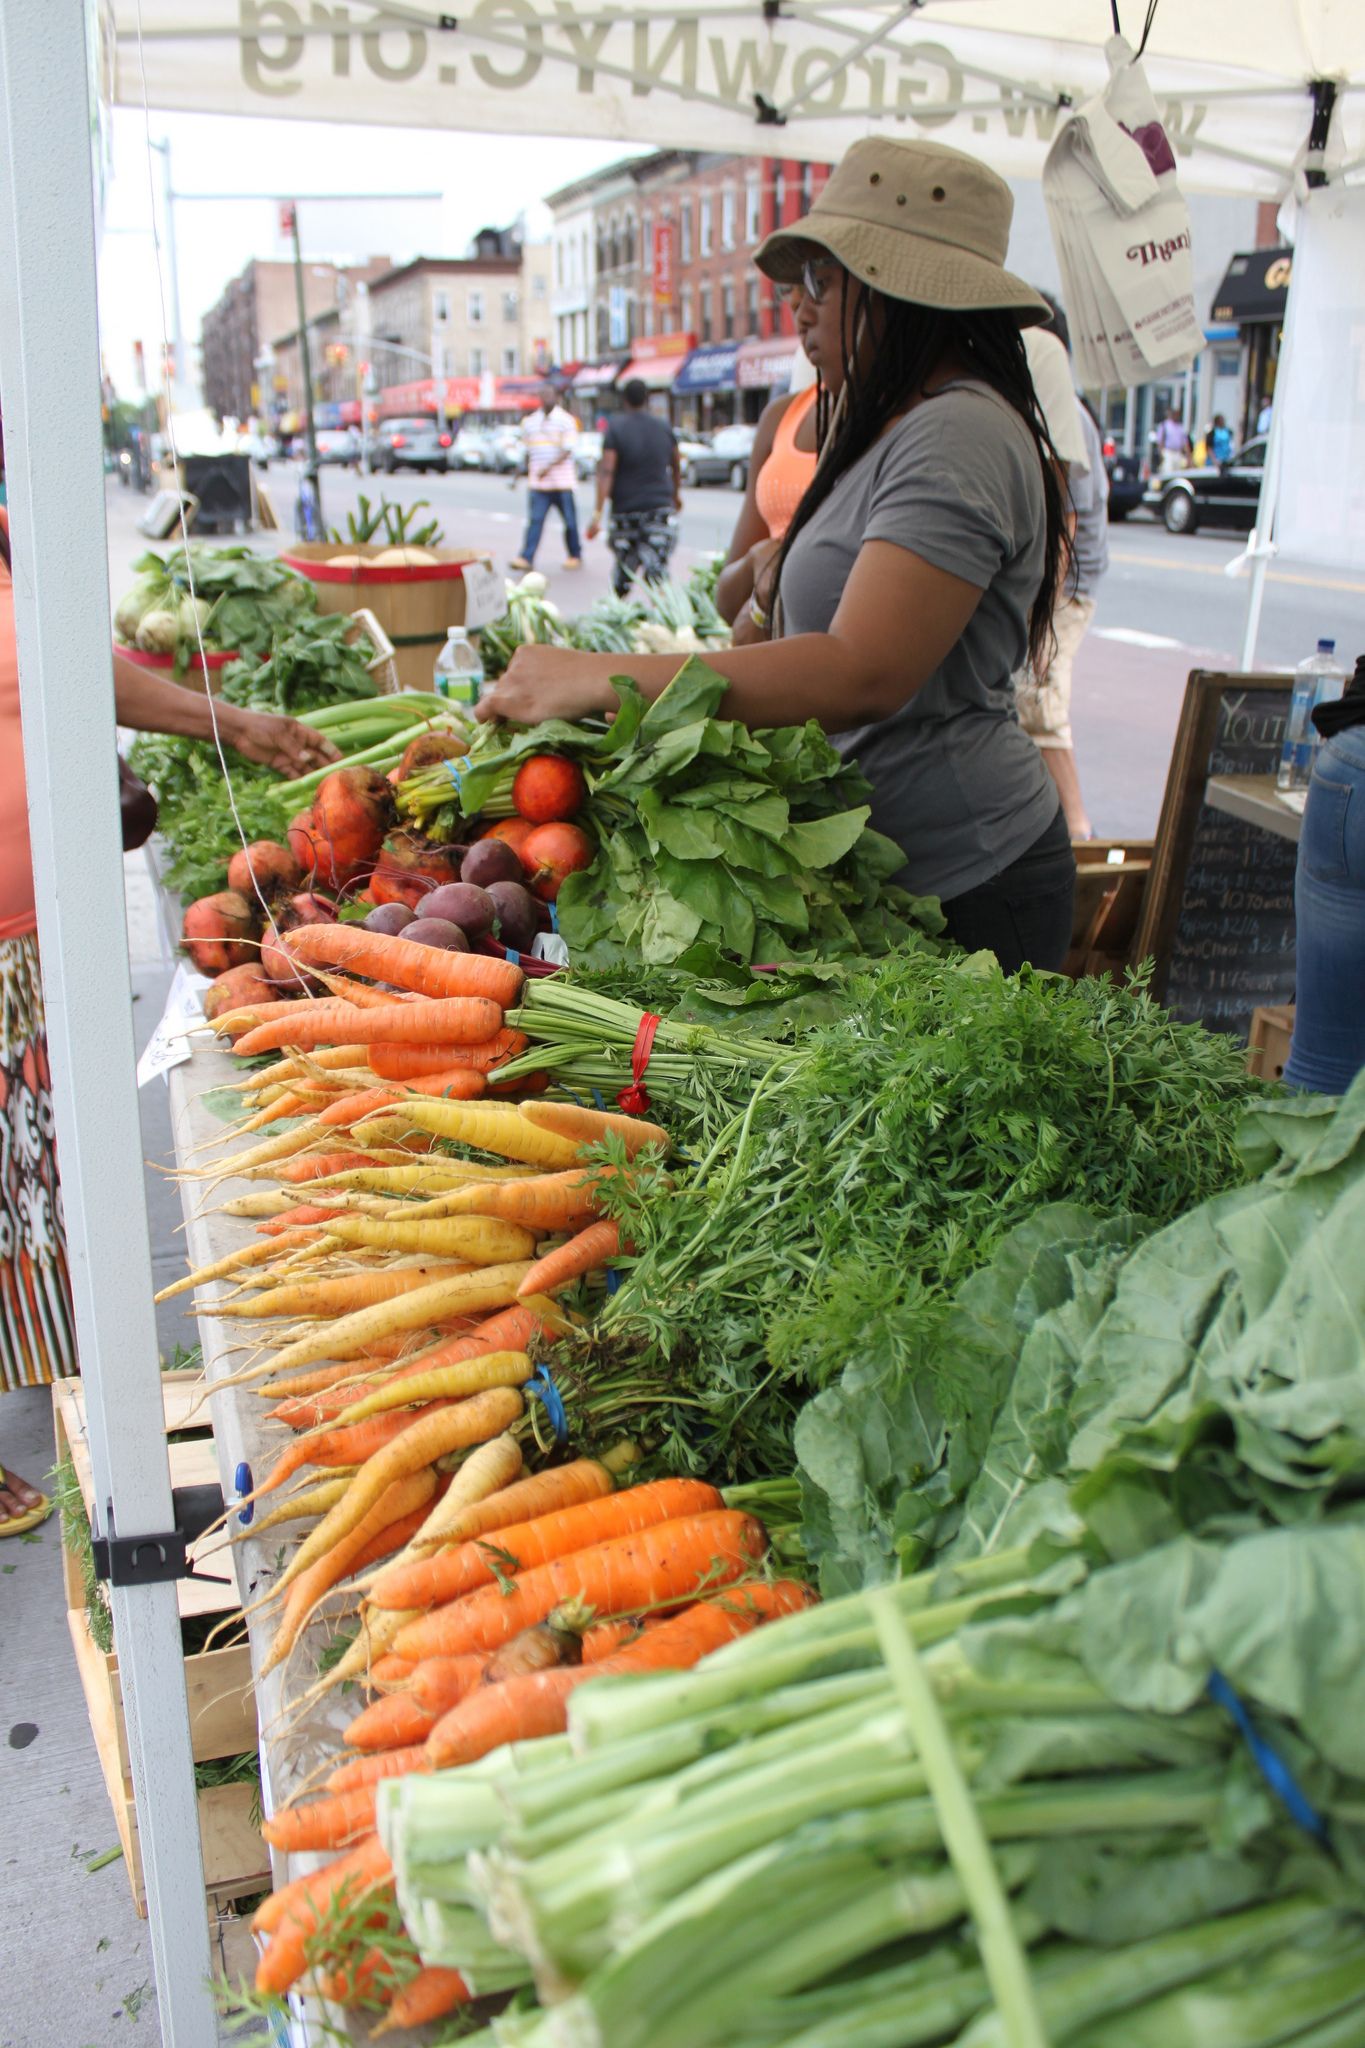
150	703
896	621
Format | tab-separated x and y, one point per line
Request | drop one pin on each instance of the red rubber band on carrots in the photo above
635	1099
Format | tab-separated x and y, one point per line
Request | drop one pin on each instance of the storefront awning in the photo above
595	376
766	365
1255	289
709	368
659	372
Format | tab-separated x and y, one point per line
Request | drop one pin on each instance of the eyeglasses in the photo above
817	275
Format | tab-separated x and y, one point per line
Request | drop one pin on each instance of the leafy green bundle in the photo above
881	1160
307	665
240	601
754	842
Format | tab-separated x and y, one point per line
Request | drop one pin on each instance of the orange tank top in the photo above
784	477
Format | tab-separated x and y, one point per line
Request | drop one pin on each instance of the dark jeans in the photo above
1024	913
541	504
1329	906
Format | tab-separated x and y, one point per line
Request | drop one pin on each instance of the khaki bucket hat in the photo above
916	221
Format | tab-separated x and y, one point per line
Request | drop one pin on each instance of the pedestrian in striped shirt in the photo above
550	433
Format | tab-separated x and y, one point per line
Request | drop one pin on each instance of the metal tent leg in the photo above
50	392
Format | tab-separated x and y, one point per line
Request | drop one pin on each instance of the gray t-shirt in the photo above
1089	490
956	781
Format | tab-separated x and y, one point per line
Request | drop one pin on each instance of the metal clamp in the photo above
151	1560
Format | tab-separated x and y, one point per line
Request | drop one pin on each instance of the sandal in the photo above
28	1518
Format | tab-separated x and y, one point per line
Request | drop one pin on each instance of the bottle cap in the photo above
1327	647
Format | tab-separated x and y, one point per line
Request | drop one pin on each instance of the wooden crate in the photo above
1111	880
1268	1046
218	1682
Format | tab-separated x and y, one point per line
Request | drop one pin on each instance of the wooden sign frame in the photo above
1189	774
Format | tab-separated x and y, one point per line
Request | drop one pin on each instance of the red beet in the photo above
265	867
217	929
275	962
427	749
515	920
409	868
516	832
470	908
553	852
389	918
548	788
351	813
238	988
436	931
491	860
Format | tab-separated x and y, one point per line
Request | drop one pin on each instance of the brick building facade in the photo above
252	311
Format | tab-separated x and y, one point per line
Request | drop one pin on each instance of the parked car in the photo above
724	461
690	446
417	443
1218	494
507	451
337	444
1128	476
472	450
587	453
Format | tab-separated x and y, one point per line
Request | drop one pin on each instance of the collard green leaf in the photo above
820	842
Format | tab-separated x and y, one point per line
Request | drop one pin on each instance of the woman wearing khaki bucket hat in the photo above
924	562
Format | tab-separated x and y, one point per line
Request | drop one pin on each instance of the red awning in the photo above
766	365
656	371
595	376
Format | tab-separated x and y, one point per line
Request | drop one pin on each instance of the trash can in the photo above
222	484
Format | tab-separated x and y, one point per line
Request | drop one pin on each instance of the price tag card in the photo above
169	1046
485	595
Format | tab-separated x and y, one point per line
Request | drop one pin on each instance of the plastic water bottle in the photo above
1315	681
459	668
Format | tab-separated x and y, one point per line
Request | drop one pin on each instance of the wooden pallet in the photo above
218	1682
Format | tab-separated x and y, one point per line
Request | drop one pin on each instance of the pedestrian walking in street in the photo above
1043	698
1172	444
639	474
550	433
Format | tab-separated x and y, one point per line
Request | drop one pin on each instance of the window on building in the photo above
647	313
538	286
603	330
685	308
751	306
727	310
478	361
509	359
560	248
753	201
704	209
510	306
474	308
685	232
704	323
779	196
614	245
629	256
727	217
440	305
601	250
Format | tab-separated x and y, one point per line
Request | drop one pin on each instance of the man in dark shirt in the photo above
639	474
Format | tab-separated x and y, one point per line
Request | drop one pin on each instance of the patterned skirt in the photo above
37	1333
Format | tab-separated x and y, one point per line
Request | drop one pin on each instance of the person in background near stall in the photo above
1044	700
1264	416
1328	1048
37	1333
925	560
550	433
1172	444
1219	440
780	470
640	475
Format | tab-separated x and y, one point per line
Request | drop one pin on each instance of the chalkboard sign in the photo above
1218	919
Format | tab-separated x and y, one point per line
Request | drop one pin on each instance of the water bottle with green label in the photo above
459	668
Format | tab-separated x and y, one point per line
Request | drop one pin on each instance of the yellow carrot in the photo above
584	1126
246	1255
483	1475
302	1506
263	1203
466	1294
489	1127
442	1383
433	1174
339	1295
296	1064
282	1147
481	1239
426	1439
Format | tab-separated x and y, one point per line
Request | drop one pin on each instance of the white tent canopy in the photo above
779	77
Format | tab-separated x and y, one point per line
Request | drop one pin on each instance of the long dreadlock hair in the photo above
909	343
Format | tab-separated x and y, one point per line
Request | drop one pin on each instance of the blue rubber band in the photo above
541	1384
554	917
1269	1762
597	1098
613	1279
456	768
241	1482
513	956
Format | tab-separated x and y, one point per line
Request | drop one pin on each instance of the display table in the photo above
1255	800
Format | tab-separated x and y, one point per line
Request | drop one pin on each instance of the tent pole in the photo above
49	387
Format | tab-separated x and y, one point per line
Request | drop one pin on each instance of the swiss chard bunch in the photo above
309	664
253	597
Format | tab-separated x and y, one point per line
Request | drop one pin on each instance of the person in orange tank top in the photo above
780	469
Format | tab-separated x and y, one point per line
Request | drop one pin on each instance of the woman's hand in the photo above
549	682
279	743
